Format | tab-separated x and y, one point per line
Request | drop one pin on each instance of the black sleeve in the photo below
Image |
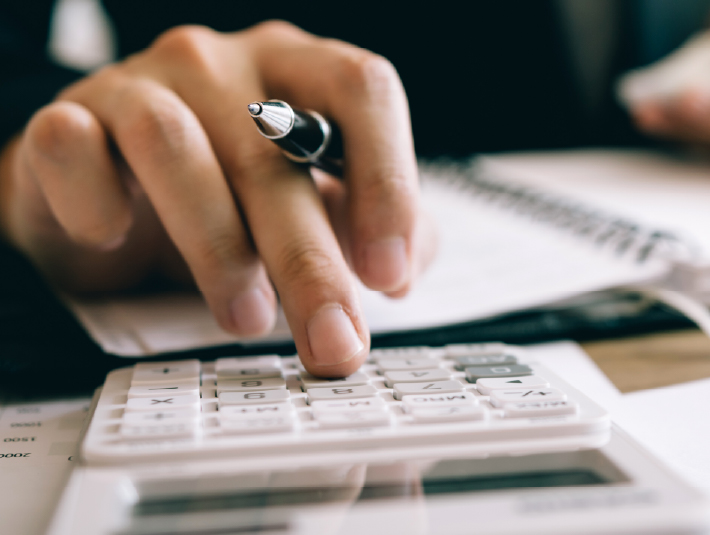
29	78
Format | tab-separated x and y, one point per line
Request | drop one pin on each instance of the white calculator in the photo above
449	440
487	397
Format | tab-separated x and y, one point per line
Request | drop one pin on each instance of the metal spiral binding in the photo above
619	235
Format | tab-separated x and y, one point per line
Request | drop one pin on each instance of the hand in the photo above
684	117
153	166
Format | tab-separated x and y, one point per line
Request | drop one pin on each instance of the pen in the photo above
304	136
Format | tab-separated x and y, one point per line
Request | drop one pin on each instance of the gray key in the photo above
467	361
356	379
475	373
250	373
400	353
341	392
433	387
416	376
253	398
249	385
397	364
468	350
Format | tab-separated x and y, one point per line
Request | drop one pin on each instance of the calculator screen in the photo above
365	484
291	496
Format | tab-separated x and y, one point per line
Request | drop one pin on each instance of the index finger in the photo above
363	94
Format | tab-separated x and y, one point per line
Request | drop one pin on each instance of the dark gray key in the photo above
475	373
483	360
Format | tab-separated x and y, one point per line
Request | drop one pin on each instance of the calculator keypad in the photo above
407	392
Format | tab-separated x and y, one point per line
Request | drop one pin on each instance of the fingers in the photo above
288	222
66	151
684	118
166	147
294	237
363	94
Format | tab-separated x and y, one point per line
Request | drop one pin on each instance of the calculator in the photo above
486	398
445	440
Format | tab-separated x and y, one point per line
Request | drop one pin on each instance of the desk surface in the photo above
653	360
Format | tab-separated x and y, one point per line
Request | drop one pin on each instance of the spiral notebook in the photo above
516	231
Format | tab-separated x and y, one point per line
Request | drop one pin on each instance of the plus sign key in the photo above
155	417
499	398
153	373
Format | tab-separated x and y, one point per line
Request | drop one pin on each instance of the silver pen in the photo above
304	136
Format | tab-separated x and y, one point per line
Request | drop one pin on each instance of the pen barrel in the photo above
305	141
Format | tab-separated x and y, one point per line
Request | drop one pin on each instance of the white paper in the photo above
673	423
38	443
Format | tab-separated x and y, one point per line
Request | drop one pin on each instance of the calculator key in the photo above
429	387
485	386
147	391
410	403
475	373
502	397
249	385
431	415
253	398
226	365
416	376
153	417
346	405
159	403
356	379
341	392
470	350
396	365
250	373
261	424
483	360
335	420
400	353
166	372
528	409
159	430
239	412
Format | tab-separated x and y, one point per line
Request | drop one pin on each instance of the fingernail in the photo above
252	313
386	264
332	336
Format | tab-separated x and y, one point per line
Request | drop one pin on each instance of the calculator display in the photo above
401	482
294	496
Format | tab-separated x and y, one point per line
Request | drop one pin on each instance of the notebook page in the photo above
656	190
490	262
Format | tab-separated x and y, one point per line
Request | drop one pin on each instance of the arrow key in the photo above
486	386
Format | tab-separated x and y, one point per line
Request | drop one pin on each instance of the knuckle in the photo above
253	163
305	265
191	47
57	130
155	121
387	186
391	195
183	38
366	73
221	251
275	28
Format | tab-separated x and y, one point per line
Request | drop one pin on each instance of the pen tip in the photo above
255	109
